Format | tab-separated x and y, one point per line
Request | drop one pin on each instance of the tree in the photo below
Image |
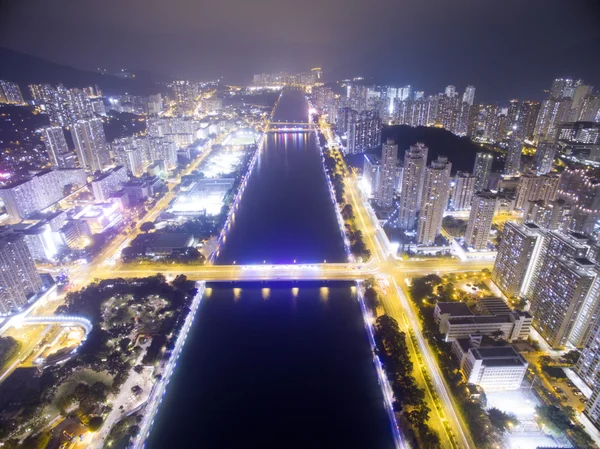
348	212
498	334
371	298
95	423
501	420
571	357
147	226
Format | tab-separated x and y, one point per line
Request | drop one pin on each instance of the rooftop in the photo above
454	308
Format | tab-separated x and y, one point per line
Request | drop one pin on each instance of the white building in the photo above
496	368
387	179
38	192
434	201
464	189
413	177
56	145
19	279
107	183
90	143
479	225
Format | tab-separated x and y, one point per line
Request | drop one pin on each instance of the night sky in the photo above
506	48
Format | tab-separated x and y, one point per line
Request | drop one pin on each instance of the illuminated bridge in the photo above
62	320
284	127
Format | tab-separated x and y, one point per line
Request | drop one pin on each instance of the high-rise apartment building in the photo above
129	153
482	170
10	93
387	179
109	182
413	177
565	305
363	131
532	188
550	215
512	165
434	201
479	225
517	257
38	192
56	145
90	143
371	175
544	157
19	279
582	190
464	188
163	149
469	95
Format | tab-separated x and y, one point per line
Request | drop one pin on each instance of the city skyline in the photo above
293	224
256	43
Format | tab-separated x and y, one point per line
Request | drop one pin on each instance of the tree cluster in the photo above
409	399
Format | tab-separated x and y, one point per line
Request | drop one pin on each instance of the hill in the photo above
26	69
459	150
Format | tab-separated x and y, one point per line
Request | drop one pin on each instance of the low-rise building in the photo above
457	320
495	368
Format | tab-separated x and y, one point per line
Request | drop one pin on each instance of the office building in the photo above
517	258
434	202
464	188
90	144
10	93
544	157
56	146
413	178
19	279
512	165
479	225
482	170
387	179
39	191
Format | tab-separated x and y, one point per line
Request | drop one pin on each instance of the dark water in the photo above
272	367
286	212
277	365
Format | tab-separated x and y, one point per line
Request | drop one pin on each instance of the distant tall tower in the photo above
56	145
389	160
10	93
512	165
434	201
19	279
544	157
90	143
464	189
469	95
480	220
413	177
482	170
450	91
